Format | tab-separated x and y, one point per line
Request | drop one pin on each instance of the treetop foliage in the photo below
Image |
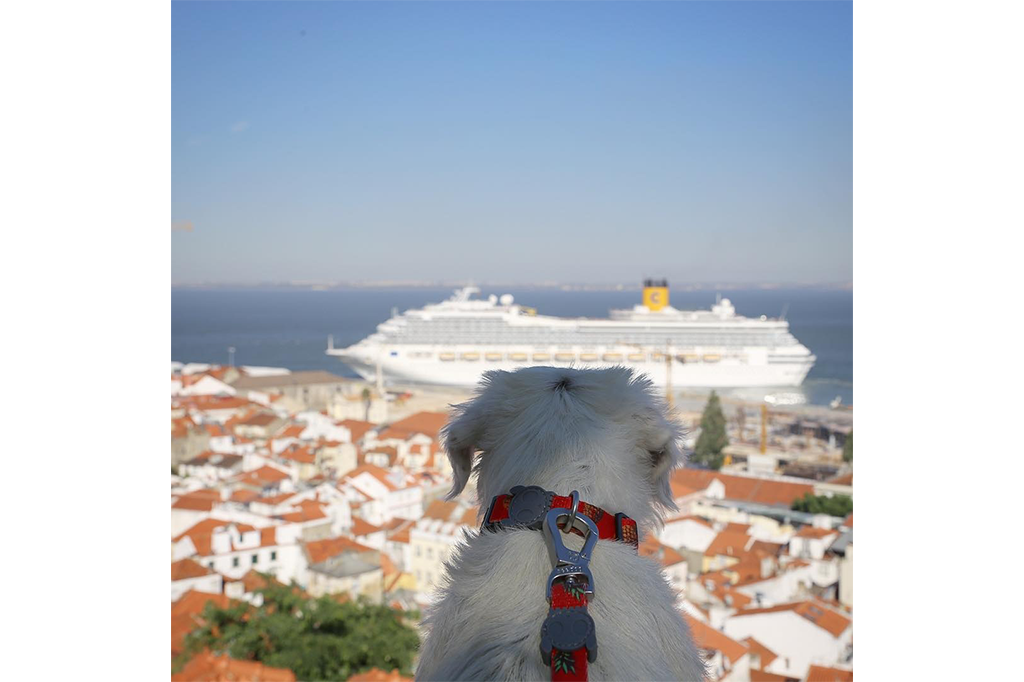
837	505
713	439
318	639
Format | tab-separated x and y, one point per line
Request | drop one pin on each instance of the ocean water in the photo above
289	327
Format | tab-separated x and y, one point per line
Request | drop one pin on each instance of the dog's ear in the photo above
663	448
461	436
668	460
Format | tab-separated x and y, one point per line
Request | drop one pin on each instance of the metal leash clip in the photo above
569	629
570	564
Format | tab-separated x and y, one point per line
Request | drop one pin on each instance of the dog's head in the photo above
603	432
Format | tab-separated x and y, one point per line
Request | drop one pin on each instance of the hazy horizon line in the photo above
434	284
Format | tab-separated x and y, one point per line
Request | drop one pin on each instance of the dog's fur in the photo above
601	432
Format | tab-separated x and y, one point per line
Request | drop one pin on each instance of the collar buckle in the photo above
570	564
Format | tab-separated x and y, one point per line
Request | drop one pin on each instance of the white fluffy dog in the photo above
604	433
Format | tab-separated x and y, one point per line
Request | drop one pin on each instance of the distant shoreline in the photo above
355	286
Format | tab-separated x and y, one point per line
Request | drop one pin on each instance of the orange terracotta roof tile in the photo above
769	548
663	554
305	513
361	527
814	611
259	419
201	534
762	676
379	474
204	494
387	566
291	431
679	490
820	673
187	568
470	516
264	476
729	543
389	452
194	504
322	550
268	536
208	667
244	496
186	612
716	579
300	454
732	598
815	533
401	535
708	638
275	500
357	428
427	423
440	510
747	570
745	488
756	648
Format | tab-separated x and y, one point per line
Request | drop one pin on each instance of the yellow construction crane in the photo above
764	428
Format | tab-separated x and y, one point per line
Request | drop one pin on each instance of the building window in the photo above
234	562
255	558
273	555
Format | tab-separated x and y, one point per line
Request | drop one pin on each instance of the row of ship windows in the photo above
474	356
514	337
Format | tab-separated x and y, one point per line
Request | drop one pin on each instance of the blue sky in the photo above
512	142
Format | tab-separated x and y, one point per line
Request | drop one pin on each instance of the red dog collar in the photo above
568	639
526	507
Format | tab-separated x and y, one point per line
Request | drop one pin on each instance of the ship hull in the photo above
403	367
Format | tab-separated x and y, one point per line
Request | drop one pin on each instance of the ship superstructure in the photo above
453	342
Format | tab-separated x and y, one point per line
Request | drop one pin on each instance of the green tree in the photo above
318	639
848	448
836	505
713	439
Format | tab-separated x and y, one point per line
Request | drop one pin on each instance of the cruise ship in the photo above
454	342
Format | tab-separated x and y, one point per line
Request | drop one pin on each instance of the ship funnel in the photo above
655	294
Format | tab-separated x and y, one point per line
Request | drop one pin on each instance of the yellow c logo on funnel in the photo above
655	298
